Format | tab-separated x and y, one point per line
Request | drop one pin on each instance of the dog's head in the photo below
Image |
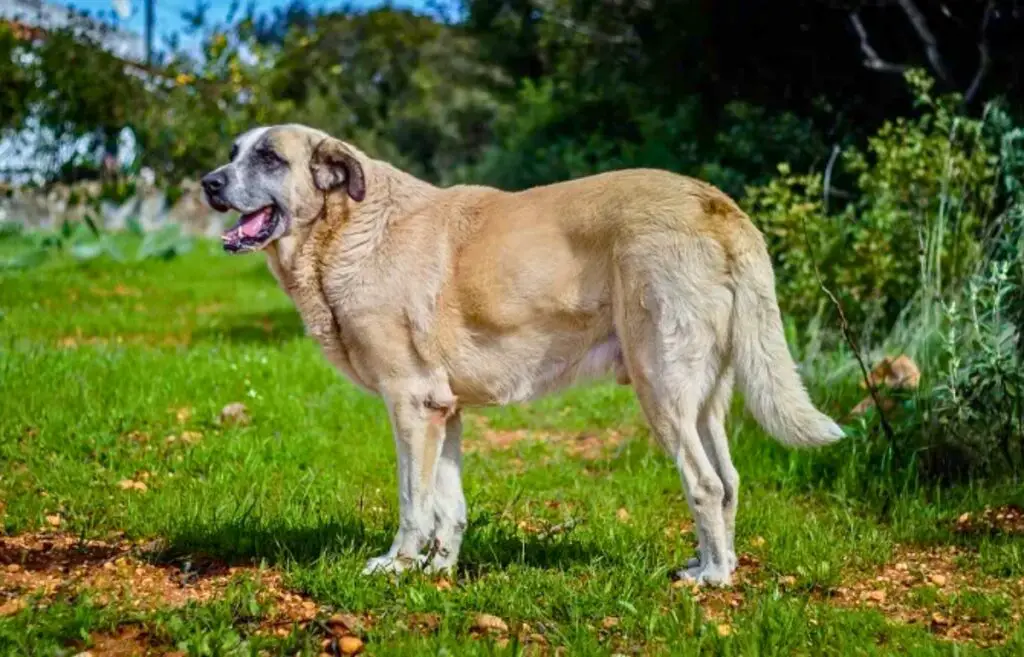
279	178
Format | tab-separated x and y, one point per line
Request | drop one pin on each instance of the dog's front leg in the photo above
419	431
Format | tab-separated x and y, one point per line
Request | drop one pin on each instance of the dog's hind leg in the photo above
716	445
669	320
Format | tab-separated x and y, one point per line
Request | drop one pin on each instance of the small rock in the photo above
350	645
235	414
488	622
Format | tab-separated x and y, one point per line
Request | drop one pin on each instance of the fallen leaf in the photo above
54	520
130	484
235	414
341	623
622	514
12	607
191	437
787	580
938	579
350	645
724	629
425	621
609	622
875	596
443	585
488	622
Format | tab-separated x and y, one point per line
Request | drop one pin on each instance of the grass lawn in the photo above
133	520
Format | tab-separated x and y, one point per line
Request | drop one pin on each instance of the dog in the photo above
436	299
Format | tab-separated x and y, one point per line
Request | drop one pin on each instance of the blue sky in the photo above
168	12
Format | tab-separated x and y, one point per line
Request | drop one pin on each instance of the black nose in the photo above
214	182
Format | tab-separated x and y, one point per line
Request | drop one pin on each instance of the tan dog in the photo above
440	298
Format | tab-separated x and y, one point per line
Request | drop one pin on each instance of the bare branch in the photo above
827	186
985	60
931	45
871	58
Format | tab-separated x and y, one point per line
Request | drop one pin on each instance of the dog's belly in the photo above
505	374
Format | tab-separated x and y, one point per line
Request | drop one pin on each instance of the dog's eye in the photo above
270	157
234	152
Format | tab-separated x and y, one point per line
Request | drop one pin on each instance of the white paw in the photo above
730	561
711	574
389	564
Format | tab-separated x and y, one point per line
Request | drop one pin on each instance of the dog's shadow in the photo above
487	546
267	327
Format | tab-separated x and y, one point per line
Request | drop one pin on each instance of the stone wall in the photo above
49	208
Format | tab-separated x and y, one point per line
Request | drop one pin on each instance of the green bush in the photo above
922	196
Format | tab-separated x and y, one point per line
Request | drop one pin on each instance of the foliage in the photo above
971	420
551	132
83	242
923	196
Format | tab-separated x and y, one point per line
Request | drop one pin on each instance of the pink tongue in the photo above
253	223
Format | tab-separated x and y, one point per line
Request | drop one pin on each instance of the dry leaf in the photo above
53	520
622	514
350	645
425	621
787	580
443	585
938	579
876	596
191	437
488	622
609	622
341	623
12	607
129	484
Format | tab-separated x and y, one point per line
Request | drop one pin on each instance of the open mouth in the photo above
252	231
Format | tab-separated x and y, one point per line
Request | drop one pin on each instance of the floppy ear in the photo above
333	165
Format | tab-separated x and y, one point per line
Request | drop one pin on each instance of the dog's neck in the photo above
391	195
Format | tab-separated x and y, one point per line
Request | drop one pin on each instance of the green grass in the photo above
92	352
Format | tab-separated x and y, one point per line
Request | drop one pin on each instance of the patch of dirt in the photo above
586	445
127	641
919	587
168	340
116	572
1005	520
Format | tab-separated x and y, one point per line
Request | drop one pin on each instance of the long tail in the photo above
775	396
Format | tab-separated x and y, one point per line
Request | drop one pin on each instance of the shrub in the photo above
923	195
